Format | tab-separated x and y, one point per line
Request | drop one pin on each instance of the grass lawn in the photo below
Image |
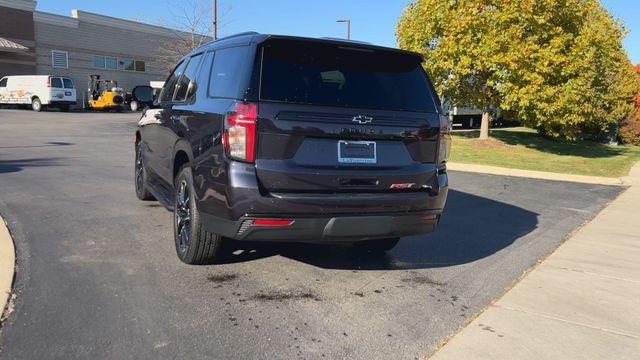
522	148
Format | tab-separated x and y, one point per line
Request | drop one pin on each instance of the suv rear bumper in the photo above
325	229
318	218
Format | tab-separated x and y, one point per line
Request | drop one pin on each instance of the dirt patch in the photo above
423	280
286	295
220	278
490	143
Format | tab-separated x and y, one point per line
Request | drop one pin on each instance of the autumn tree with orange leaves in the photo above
629	132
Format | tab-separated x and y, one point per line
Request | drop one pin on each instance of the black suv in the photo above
280	138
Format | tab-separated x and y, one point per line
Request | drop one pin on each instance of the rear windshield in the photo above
68	83
334	75
56	83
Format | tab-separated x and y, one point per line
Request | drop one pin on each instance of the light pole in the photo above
348	27
215	19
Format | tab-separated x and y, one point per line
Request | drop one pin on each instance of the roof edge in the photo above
27	5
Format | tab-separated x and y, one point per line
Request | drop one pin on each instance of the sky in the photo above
371	20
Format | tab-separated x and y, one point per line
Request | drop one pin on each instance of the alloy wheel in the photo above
139	169
183	217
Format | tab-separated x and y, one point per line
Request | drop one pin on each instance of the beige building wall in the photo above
16	25
84	35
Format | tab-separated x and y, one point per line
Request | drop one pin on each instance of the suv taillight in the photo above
48	82
444	140
239	137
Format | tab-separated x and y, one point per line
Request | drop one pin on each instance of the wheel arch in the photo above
182	155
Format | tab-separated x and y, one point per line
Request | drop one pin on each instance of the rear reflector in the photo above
428	217
272	222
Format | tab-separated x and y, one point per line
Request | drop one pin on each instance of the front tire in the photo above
134	106
377	246
194	244
36	104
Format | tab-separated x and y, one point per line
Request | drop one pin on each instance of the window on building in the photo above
59	59
111	63
141	66
99	62
105	62
128	64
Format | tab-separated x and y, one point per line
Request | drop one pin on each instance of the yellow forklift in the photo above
104	94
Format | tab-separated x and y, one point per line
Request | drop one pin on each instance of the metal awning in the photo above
10	46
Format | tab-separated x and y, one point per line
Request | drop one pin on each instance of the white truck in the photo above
40	91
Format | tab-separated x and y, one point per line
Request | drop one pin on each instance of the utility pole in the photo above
215	19
348	27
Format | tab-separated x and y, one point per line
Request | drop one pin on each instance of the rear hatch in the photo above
339	118
62	89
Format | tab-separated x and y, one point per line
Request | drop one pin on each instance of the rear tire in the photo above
194	244
141	177
36	104
377	246
134	106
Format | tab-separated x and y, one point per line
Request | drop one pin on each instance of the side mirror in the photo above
144	94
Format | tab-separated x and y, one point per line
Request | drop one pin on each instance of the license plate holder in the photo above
357	152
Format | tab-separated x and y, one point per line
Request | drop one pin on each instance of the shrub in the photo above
629	132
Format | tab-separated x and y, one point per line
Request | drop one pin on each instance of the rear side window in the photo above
229	75
68	83
56	83
186	84
334	75
170	84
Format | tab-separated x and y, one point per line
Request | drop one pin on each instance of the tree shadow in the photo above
472	228
9	166
531	140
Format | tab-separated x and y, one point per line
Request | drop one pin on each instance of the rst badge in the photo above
402	186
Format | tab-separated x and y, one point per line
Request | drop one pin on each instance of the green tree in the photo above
570	76
462	46
558	64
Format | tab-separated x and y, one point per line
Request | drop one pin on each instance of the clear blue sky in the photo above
371	20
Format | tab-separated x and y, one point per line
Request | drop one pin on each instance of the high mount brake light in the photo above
239	137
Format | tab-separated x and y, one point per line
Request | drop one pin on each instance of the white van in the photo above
38	90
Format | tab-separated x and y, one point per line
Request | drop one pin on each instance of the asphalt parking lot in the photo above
98	277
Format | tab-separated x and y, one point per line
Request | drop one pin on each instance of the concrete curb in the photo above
7	264
495	170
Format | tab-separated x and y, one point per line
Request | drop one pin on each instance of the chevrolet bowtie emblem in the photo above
361	119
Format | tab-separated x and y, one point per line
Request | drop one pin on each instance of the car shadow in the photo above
9	166
472	228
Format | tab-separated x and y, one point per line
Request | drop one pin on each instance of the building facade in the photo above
82	44
17	38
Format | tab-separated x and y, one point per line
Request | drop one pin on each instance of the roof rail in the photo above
232	36
347	40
